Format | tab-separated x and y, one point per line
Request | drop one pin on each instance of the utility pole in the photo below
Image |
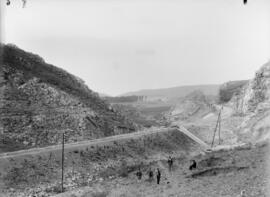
63	157
217	124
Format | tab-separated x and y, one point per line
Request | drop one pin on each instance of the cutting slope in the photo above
253	102
92	162
39	101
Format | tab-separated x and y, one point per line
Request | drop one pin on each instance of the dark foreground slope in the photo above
97	163
223	173
39	101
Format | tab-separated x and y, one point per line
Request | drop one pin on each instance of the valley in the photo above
107	139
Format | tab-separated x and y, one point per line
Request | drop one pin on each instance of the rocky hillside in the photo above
253	102
39	101
256	94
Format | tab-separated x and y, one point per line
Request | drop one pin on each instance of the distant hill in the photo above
38	101
175	92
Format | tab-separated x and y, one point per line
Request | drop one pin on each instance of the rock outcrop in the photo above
255	96
40	101
253	102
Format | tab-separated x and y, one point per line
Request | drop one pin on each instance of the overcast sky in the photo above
117	46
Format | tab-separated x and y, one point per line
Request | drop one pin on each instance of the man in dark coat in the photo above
158	176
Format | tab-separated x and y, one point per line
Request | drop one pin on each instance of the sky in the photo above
117	46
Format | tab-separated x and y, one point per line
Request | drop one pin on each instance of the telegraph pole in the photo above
63	157
217	125
215	132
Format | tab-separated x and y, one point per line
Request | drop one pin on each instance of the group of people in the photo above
192	166
150	175
158	173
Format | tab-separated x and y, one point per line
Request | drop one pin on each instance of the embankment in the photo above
90	163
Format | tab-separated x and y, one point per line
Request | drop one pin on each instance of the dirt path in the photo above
82	144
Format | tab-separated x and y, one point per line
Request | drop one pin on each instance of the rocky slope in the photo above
39	101
253	102
255	96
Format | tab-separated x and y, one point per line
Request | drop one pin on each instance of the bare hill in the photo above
39	101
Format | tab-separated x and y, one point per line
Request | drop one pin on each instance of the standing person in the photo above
158	176
193	165
139	174
150	174
170	163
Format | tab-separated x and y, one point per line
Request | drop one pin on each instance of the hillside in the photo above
176	92
39	101
93	163
253	103
109	169
222	173
194	105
